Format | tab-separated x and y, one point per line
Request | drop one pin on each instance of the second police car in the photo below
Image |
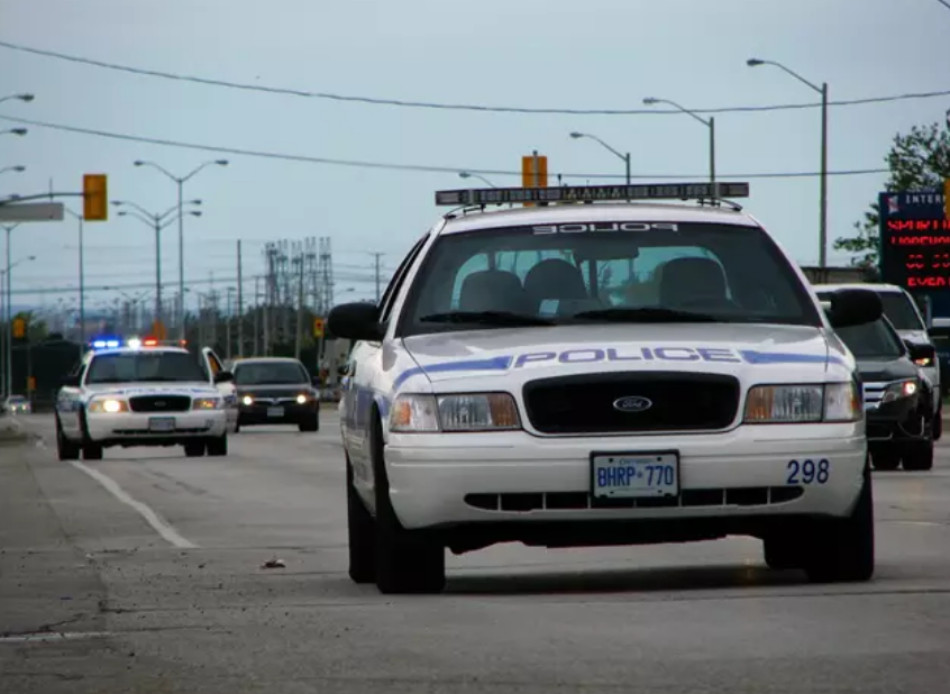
601	374
141	393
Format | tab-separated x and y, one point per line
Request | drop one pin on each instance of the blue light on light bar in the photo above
109	342
619	193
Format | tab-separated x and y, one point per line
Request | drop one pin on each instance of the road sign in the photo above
534	172
95	200
318	327
32	212
915	240
158	330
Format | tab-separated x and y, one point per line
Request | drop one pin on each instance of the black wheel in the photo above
781	552
361	531
237	425
195	449
310	422
91	451
937	426
407	561
885	459
919	456
842	549
218	446
65	449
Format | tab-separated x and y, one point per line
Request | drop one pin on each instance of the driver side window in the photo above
389	296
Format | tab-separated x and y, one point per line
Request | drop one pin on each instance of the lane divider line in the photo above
162	527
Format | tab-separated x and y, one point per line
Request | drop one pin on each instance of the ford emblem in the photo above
633	403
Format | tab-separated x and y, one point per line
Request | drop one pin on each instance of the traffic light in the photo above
95	200
19	328
318	325
534	173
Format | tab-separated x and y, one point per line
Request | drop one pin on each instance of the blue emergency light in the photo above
106	342
611	193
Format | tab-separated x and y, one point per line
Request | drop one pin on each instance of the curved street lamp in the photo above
180	182
467	174
710	123
823	185
19	168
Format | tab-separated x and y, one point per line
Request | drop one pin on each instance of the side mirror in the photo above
343	369
356	321
922	355
854	307
224	377
70	381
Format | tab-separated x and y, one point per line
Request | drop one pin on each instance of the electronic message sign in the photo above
915	240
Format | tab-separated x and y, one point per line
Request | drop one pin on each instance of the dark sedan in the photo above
276	390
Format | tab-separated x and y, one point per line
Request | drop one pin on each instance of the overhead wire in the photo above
407	103
426	168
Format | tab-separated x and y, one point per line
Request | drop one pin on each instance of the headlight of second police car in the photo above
829	402
108	406
462	412
206	404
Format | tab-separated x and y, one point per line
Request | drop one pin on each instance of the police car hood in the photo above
191	388
776	353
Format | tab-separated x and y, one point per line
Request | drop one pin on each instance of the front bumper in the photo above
898	421
132	428
290	413
447	480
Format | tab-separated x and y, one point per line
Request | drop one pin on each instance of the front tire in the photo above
195	449
842	549
218	446
65	449
919	456
885	459
361	531
92	451
310	422
407	561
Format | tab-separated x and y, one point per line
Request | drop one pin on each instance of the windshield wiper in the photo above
646	315
500	318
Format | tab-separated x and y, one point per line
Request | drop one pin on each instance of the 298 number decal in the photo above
808	471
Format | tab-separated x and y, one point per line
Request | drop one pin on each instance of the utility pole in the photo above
298	332
377	255
255	348
227	324
240	304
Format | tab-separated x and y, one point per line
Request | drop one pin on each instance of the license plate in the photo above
161	424
275	411
632	475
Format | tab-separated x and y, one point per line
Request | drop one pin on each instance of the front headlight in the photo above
206	404
899	389
247	400
454	413
831	402
108	406
302	399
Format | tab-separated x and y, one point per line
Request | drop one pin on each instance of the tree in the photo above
919	160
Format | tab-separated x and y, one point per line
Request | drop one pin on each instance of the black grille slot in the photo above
160	403
559	501
678	401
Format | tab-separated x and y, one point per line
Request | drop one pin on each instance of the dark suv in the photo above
276	390
897	400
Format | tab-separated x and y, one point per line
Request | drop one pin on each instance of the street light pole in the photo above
180	182
711	124
82	275
466	174
9	314
625	157
823	175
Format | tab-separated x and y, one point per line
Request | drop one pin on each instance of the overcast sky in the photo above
598	54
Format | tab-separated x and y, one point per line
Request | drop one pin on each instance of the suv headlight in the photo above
828	402
454	413
206	404
108	406
900	389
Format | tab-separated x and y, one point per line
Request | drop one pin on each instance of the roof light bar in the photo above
622	193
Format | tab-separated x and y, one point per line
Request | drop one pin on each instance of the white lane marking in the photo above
163	528
55	636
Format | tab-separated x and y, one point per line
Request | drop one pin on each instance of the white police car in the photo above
141	393
601	374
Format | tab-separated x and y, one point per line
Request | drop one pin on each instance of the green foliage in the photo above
919	160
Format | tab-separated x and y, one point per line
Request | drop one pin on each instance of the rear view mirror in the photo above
922	355
355	321
854	307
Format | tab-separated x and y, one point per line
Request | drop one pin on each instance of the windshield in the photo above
260	373
871	341
605	272
16	399
900	311
144	366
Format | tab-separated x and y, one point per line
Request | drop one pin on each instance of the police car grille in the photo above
562	501
585	404
160	403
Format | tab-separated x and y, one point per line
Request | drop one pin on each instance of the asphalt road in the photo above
144	572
